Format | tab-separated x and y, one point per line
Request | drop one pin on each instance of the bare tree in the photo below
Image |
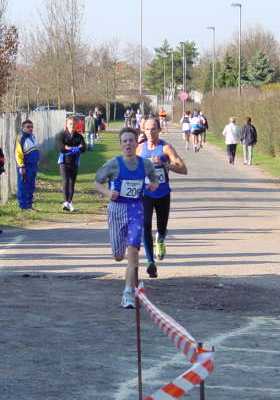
8	50
66	16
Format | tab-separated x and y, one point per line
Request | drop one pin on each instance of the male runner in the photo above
164	158
126	176
163	120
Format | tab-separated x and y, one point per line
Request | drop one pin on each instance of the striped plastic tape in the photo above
202	360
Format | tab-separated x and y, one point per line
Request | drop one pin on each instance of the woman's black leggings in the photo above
162	207
69	175
231	151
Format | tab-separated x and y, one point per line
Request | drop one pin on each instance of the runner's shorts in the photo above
125	221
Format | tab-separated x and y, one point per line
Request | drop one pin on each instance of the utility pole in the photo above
212	28
239	5
164	82
172	85
184	73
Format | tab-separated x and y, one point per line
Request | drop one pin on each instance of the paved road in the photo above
64	336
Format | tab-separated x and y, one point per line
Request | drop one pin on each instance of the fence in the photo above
46	125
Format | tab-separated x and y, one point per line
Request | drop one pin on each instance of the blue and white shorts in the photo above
125	221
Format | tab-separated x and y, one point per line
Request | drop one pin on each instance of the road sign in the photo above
183	96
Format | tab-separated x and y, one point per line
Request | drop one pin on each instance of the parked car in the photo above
45	108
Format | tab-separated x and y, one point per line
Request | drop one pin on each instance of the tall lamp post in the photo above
164	82
172	84
183	72
212	28
239	5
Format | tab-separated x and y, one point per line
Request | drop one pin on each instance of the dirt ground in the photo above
64	336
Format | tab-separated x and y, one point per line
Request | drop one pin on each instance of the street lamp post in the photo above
141	58
164	82
239	5
172	84
212	28
183	72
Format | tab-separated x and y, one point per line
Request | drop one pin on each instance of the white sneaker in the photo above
71	207
66	206
128	299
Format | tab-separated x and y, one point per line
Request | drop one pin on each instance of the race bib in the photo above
131	188
160	173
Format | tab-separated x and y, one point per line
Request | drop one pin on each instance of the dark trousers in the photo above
26	186
231	151
69	175
162	207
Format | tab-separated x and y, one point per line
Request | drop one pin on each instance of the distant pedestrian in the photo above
133	119
90	130
248	140
71	144
27	158
126	175
127	118
2	162
205	126
231	133
138	119
2	169
98	122
196	130
163	120
186	128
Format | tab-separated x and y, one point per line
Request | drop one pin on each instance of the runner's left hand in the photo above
114	195
152	186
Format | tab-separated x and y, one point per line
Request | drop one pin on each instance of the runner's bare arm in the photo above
104	174
176	163
111	194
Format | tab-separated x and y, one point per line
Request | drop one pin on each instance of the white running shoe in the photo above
128	299
65	206
71	207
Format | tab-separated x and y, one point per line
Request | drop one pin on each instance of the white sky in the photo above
175	20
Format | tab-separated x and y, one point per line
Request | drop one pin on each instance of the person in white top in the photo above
232	134
185	122
138	118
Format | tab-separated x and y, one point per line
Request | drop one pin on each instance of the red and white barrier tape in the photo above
202	360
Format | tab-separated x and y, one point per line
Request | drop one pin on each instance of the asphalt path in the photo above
64	336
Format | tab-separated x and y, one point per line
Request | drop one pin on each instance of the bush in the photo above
262	106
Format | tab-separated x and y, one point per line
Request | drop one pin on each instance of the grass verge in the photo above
48	197
267	163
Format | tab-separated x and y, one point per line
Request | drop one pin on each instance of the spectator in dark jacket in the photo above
71	144
248	139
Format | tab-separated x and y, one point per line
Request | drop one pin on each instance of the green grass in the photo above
48	197
266	162
116	124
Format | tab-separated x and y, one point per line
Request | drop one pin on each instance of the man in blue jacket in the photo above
27	158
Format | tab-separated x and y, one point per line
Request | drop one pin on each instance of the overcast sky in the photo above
175	20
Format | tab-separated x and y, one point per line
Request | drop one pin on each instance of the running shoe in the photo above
160	248
65	206
128	299
71	207
152	270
